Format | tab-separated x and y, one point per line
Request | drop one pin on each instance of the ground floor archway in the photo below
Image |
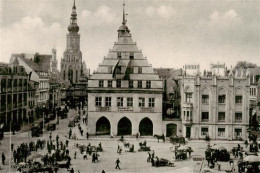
146	127
124	127
171	130
103	126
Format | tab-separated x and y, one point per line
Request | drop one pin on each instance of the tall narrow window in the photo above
148	84
139	70
109	83
188	97
139	84
130	102
101	83
118	83
151	102
108	101
131	84
98	101
120	101
141	101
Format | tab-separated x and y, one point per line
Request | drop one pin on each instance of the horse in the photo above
160	137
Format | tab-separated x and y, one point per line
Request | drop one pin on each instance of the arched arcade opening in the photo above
171	130
103	126
146	127
124	127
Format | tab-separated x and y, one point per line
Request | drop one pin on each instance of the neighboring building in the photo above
14	95
72	67
217	106
258	102
39	69
125	94
171	99
254	74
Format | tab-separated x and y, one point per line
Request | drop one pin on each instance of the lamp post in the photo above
10	142
43	114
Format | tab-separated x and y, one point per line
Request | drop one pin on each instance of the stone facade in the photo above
14	95
124	94
217	106
72	67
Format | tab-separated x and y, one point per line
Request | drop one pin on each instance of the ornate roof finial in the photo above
73	27
124	21
74	6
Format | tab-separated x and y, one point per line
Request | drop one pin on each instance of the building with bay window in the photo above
125	94
215	104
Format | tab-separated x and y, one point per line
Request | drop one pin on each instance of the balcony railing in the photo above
238	120
187	121
103	109
205	120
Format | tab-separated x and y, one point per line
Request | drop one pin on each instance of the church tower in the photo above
71	64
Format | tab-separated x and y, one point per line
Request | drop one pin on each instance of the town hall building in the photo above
125	94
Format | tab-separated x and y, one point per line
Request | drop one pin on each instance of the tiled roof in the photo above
39	63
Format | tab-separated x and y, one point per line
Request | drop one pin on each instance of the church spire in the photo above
73	27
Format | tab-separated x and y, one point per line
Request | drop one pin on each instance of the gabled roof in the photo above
39	63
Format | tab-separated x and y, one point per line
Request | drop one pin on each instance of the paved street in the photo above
130	162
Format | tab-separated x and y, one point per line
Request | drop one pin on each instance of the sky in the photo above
170	33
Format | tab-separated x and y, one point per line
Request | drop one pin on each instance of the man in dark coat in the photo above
117	163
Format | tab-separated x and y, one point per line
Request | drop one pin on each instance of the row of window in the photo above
43	85
221	99
119	55
120	71
221	131
120	102
253	91
119	84
221	117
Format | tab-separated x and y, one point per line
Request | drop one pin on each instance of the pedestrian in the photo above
87	135
246	143
12	146
75	155
3	158
103	171
117	163
219	167
70	133
93	157
72	170
148	157
96	158
67	143
85	155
